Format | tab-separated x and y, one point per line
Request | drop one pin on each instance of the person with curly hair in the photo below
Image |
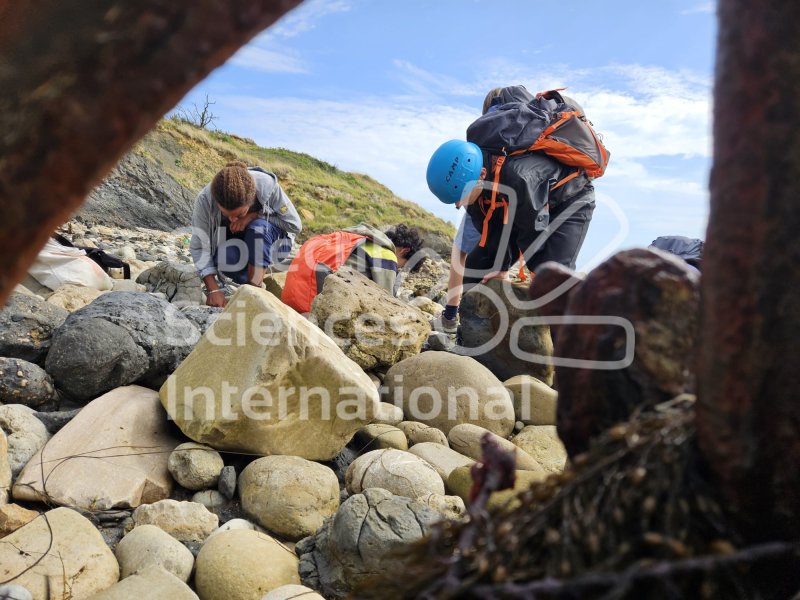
366	249
241	224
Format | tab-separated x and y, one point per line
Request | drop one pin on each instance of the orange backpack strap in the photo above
494	203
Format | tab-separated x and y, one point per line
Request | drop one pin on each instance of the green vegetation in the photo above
327	198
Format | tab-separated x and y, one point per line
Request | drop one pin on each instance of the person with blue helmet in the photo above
539	221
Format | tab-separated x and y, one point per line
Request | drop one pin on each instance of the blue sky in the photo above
375	86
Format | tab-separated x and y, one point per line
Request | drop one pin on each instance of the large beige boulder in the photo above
152	583
112	454
150	546
443	390
401	473
264	380
535	402
185	521
289	495
373	327
72	297
69	553
543	444
466	439
243	565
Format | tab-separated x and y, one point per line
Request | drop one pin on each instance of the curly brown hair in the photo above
403	236
233	186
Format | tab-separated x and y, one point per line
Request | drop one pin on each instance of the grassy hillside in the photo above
326	197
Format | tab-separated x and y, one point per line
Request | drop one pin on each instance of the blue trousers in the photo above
259	245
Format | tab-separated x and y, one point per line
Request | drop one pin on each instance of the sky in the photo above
375	87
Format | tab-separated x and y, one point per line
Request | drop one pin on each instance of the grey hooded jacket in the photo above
207	229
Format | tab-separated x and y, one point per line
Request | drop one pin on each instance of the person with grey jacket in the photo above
242	222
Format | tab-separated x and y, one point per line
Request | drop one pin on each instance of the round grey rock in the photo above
22	382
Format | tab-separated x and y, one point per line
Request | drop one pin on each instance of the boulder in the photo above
365	539
185	521
68	552
535	402
266	381
26	434
646	350
419	433
443	390
72	297
152	583
372	327
5	469
466	439
378	436
398	472
288	495
22	382
149	546
112	454
460	484
14	516
213	500
180	283
388	414
26	327
542	443
292	592
195	466
120	338
441	458
242	565
494	331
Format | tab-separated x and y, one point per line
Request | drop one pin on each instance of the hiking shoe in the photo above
449	326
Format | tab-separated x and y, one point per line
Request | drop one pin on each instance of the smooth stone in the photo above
441	458
420	433
388	414
401	473
195	466
292	592
118	447
289	495
241	564
535	402
378	436
466	439
212	500
151	583
150	546
443	390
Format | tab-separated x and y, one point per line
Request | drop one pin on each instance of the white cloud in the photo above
261	58
656	124
702	8
306	16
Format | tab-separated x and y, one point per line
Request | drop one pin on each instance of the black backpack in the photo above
105	260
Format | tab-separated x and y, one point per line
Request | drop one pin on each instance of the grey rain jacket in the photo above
207	229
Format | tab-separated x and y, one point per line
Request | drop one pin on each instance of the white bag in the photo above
59	265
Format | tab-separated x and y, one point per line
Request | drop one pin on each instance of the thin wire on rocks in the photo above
634	517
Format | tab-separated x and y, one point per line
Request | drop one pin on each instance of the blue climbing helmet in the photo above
454	169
